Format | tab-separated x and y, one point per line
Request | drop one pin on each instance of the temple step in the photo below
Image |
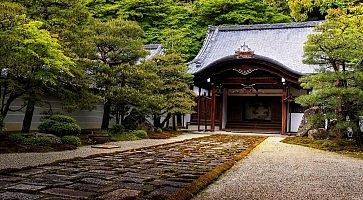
254	125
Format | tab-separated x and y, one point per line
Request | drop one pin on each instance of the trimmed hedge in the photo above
72	140
40	141
60	125
17	138
34	141
117	128
140	134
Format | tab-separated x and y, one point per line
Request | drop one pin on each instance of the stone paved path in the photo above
147	173
20	160
275	170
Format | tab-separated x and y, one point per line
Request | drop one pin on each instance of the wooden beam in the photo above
221	103
213	108
198	104
283	110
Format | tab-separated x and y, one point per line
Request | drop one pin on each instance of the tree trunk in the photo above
173	123
117	117
157	120
28	117
106	115
166	121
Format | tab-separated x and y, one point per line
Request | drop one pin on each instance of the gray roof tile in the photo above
281	42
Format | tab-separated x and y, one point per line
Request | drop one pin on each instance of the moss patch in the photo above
124	137
206	179
345	147
164	134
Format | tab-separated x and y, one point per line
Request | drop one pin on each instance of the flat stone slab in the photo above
121	194
64	192
105	146
26	187
18	196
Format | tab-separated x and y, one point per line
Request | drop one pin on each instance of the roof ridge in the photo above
266	26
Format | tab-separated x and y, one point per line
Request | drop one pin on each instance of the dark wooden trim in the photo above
258	62
284	110
213	108
198	104
221	108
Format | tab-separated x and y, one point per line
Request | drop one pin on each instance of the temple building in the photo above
247	77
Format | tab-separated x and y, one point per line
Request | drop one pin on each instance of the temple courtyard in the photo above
262	168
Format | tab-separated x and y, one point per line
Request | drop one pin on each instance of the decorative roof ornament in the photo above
244	52
244	70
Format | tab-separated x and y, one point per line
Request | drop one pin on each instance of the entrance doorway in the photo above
257	113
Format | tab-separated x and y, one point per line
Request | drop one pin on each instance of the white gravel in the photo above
275	170
20	160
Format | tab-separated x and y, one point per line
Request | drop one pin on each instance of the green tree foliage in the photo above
238	12
338	49
181	25
303	10
116	46
30	58
66	20
280	5
174	96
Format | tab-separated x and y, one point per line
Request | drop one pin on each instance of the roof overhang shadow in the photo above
257	62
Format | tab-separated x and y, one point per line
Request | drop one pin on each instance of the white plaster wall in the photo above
86	118
202	92
187	119
295	121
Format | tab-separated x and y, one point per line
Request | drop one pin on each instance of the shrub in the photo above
124	137
140	134
62	118
60	125
40	141
17	138
117	128
72	140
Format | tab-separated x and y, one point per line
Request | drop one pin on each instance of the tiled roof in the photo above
280	42
153	49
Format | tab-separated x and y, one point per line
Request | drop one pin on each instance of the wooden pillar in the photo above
213	108
221	102
198	109
284	111
205	114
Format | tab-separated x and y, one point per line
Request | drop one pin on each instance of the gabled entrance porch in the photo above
245	92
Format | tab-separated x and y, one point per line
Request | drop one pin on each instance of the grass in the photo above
341	146
124	137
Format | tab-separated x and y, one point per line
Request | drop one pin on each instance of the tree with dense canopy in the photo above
181	25
337	89
304	10
174	96
66	21
116	46
30	58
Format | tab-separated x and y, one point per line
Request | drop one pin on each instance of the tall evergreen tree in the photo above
174	95
116	47
30	58
338	49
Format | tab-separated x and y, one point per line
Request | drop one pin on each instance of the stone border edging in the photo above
203	181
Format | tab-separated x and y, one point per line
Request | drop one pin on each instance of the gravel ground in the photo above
275	170
20	160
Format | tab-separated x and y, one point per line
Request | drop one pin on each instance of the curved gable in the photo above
280	42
